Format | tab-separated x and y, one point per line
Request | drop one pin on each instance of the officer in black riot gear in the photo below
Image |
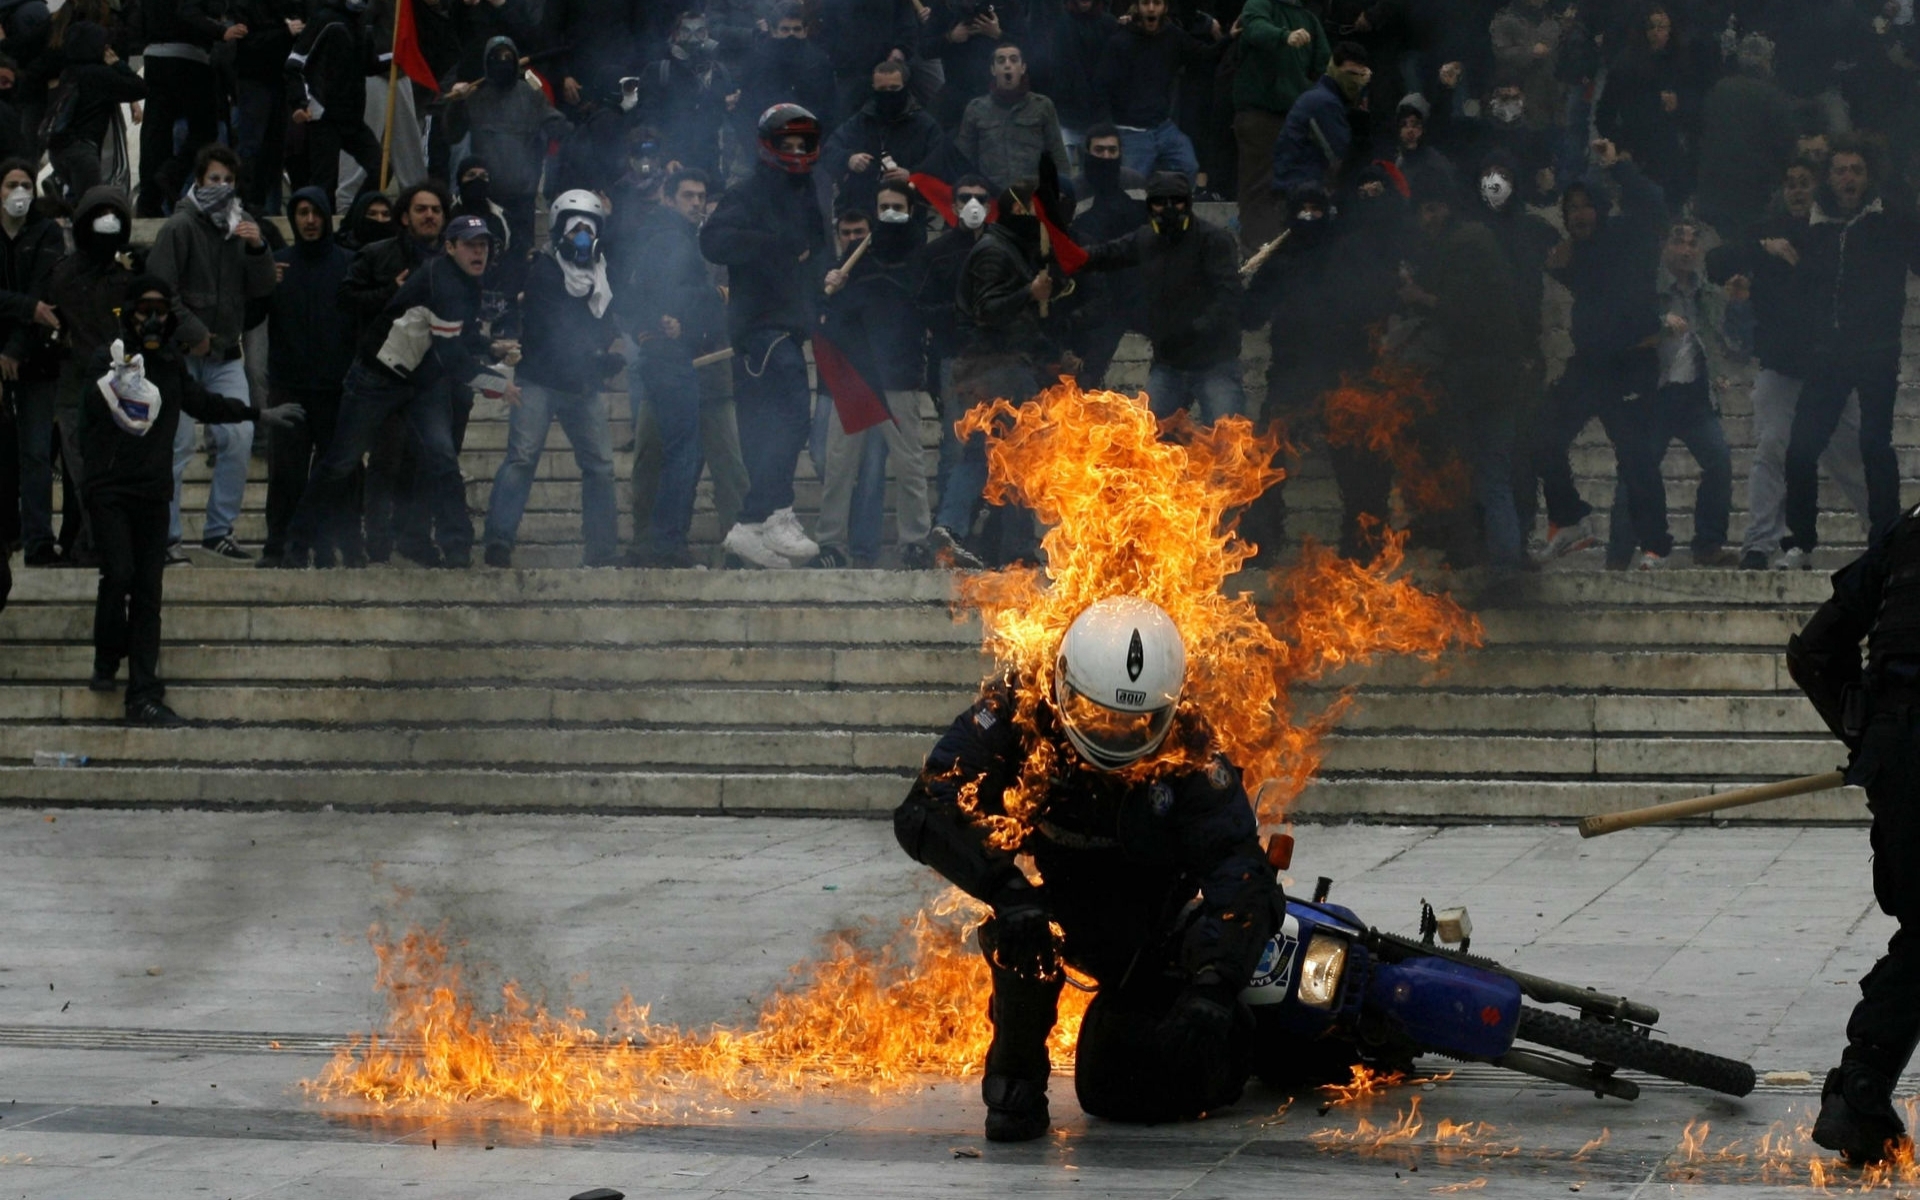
1122	852
1876	712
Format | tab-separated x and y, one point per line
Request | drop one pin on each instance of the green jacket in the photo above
1272	74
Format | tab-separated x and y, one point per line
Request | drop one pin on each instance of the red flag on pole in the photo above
406	47
859	405
1066	252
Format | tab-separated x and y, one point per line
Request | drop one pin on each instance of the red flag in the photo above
938	195
406	47
854	400
1066	252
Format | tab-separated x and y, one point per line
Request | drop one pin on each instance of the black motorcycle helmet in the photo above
147	321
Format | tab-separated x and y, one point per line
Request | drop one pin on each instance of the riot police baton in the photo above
1678	810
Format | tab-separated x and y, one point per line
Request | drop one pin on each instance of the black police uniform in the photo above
1877	714
1120	864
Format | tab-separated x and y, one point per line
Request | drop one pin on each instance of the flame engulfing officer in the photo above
1122	851
1877	714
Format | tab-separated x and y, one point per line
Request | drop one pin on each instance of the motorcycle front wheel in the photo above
1626	1046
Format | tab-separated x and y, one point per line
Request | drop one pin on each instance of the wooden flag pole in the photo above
393	83
853	260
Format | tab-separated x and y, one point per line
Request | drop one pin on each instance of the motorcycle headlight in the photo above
1321	968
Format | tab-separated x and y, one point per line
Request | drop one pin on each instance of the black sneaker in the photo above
1016	1109
424	556
1857	1118
830	558
673	560
455	562
946	549
499	556
177	555
152	712
916	558
226	547
104	681
1754	560
44	556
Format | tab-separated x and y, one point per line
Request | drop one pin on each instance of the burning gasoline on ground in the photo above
1132	508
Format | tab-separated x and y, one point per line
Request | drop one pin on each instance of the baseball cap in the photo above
467	228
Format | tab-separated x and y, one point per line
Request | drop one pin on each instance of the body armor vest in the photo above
1896	628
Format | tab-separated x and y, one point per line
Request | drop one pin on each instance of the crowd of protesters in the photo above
795	228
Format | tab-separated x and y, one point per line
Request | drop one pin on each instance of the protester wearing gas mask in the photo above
566	344
888	139
870	319
212	253
327	80
141	385
1190	270
689	94
510	122
30	247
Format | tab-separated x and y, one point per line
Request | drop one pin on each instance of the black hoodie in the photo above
98	90
86	285
309	339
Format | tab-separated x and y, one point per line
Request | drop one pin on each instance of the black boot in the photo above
1857	1118
1016	1108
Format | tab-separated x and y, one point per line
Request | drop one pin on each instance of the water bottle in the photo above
58	758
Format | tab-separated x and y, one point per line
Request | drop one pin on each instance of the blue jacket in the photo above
1298	159
1613	273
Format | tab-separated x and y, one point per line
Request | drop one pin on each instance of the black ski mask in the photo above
502	68
1103	175
889	105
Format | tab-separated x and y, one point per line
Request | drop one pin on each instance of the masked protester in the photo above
1113	302
30	247
936	271
1317	140
767	233
1120	846
888	139
510	123
567	359
212	251
1191	270
870	320
427	341
369	219
788	67
310	347
141	386
326	79
473	197
689	94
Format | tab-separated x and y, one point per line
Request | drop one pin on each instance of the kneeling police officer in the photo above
1877	715
1154	880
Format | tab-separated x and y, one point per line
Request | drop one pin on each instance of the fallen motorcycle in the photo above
1332	989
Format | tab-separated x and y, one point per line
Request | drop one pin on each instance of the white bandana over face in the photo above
1495	190
132	401
586	281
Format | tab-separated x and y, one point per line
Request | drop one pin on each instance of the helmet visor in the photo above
1112	737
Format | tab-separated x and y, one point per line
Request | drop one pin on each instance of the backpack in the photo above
61	104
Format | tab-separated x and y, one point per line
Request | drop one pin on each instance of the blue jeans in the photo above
672	388
1599	388
584	416
773	401
1489	452
233	446
366	400
33	404
967	479
1684	411
1162	148
1216	387
867	516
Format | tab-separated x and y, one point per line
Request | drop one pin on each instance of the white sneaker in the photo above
1564	540
1649	561
1795	559
783	533
749	543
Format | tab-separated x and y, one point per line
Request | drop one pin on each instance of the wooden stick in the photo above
1676	810
393	82
718	356
1249	268
853	260
1046	252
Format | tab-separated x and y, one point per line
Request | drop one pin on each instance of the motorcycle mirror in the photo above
1321	887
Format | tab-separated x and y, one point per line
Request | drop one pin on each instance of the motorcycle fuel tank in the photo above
1451	1007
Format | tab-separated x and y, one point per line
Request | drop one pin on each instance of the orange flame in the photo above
1378	413
1365	1083
1133	508
1786	1154
865	1014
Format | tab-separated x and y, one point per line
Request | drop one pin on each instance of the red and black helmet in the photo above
786	120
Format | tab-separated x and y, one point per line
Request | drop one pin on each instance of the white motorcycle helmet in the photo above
561	225
1121	668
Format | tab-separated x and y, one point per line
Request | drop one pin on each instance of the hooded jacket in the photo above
1193	285
1273	74
120	463
98	90
510	127
213	274
353	226
913	139
758	232
309	340
27	261
89	283
1612	273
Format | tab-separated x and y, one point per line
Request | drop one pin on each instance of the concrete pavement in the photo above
148	960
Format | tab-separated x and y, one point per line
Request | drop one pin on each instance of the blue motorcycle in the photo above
1330	991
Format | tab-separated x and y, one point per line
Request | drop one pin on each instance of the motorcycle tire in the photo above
1623	1046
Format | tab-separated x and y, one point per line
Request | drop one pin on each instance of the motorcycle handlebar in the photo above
1536	987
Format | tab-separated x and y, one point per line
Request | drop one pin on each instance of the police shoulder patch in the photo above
1160	798
984	718
1219	774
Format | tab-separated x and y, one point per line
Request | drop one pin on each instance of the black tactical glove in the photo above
284	416
1023	931
1196	1028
